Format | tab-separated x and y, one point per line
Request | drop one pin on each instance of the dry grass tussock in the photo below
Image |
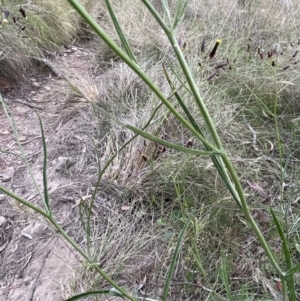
47	27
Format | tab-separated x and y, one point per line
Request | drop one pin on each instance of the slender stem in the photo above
190	79
284	291
136	68
12	122
214	134
249	216
68	238
24	202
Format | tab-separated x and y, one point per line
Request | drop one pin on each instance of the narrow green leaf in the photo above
88	294
225	278
12	122
120	31
104	36
180	10
287	256
173	262
115	292
46	195
186	111
172	145
214	159
292	271
166	8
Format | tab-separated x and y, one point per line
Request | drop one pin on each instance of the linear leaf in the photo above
177	147
120	31
88	294
215	160
287	256
225	278
180	10
173	262
291	271
46	195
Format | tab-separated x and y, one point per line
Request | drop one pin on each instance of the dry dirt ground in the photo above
35	264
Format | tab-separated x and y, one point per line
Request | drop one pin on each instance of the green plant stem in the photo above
136	68
46	194
284	291
68	238
24	202
218	145
215	136
12	122
202	108
249	216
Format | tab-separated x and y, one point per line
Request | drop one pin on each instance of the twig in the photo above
254	136
31	105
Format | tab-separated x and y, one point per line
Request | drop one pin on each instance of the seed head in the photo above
213	52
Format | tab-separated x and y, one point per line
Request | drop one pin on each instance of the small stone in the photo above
7	174
27	280
3	220
36	84
33	230
62	163
22	138
47	88
5	132
38	228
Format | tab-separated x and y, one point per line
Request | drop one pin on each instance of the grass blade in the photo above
166	7
46	195
287	256
12	122
120	32
122	55
225	278
172	145
88	294
173	262
291	271
180	10
214	159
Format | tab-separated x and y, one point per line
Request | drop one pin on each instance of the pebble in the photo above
3	220
7	174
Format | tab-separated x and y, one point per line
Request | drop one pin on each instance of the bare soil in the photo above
35	264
